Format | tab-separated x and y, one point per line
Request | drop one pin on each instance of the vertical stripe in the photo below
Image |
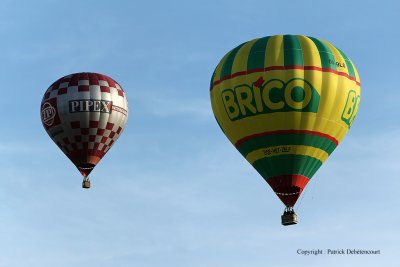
274	53
312	58
310	52
212	78
357	76
239	64
349	64
339	60
218	69
257	55
227	66
325	54
293	55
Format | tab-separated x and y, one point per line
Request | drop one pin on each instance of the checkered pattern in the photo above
85	137
94	140
83	82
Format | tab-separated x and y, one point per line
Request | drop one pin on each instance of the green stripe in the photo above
260	142
256	57
286	165
212	79
327	58
227	67
293	54
349	64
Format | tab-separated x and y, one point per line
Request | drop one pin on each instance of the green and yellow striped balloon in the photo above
285	102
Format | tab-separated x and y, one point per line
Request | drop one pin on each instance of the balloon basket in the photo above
86	184
289	217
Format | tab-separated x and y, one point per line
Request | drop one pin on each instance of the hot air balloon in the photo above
84	114
285	102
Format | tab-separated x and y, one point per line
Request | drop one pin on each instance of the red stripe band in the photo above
288	180
241	73
326	136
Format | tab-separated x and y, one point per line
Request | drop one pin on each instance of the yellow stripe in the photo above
311	55
355	71
287	150
241	58
338	58
274	54
219	67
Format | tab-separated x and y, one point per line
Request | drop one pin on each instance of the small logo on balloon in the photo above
48	114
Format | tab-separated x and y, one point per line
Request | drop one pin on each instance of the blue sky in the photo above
173	191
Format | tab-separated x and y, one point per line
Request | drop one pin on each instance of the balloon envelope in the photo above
285	102
84	114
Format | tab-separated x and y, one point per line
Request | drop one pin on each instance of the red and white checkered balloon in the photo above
84	114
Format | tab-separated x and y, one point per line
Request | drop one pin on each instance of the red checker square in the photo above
74	146
120	93
66	140
109	126
46	95
78	138
112	142
85	131
92	138
83	88
55	85
103	140
111	135
84	76
65	79
73	81
62	91
93	80
93	124
75	124
100	131
105	89
119	130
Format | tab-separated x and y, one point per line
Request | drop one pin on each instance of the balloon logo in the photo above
48	114
84	114
285	102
